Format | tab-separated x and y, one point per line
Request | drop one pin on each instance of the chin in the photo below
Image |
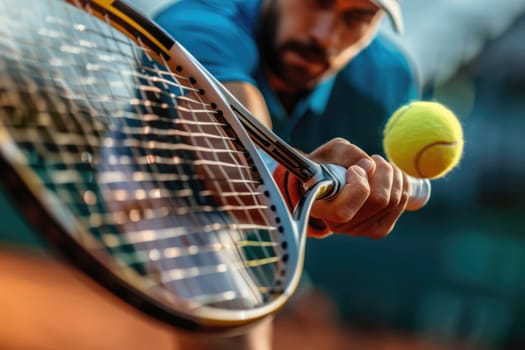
301	80
301	84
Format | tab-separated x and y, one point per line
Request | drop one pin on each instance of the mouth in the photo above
310	62
299	64
309	51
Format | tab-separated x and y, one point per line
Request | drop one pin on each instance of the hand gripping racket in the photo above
125	153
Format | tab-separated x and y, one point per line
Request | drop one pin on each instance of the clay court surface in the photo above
47	305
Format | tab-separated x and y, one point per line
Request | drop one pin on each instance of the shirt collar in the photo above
315	102
318	99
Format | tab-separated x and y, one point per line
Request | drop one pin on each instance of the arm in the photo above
251	98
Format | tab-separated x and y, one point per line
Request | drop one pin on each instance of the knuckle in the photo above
340	141
385	166
343	214
396	197
358	184
380	199
404	196
361	188
336	144
330	149
344	144
379	160
338	151
344	147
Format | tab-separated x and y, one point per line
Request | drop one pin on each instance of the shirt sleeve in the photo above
217	34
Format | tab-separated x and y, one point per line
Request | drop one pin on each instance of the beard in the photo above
298	65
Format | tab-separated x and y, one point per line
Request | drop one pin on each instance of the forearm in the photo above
251	98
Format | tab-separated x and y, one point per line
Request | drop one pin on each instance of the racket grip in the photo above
419	193
419	189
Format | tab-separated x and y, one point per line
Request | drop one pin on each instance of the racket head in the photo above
121	151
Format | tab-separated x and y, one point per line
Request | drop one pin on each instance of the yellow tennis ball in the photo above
424	139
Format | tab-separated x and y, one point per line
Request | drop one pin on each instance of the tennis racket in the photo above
143	170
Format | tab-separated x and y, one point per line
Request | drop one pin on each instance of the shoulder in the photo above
242	13
219	33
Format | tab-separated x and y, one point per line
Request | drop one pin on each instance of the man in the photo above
292	63
317	72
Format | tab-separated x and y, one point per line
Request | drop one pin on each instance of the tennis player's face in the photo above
304	41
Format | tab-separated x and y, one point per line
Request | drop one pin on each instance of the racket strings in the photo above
127	166
174	274
227	187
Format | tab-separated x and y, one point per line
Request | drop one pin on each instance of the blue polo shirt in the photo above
354	104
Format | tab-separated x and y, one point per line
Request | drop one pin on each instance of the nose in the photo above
325	30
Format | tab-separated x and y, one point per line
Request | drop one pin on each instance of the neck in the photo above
287	96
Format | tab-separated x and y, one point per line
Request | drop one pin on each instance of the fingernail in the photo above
366	164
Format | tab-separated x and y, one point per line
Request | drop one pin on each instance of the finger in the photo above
378	227
399	185
382	223
342	152
378	215
348	202
381	184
